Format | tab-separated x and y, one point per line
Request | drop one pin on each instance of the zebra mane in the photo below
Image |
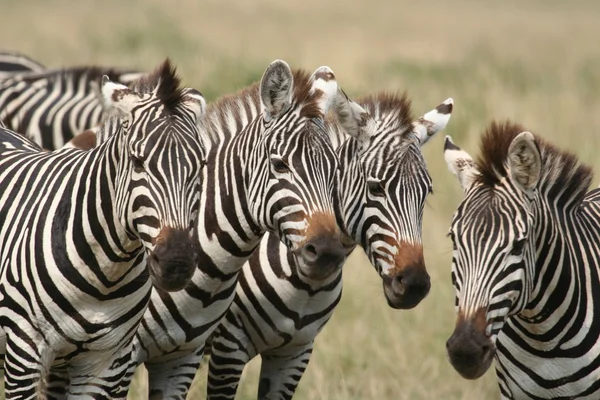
393	109
165	82
561	170
234	104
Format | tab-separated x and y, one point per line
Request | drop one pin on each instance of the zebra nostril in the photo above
310	251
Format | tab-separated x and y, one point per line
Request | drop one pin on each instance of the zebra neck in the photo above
350	204
567	261
227	228
102	184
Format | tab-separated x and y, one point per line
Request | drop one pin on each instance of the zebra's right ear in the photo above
434	121
460	163
276	88
194	101
354	119
118	96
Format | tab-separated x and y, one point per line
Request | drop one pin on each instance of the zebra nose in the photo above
470	351
409	287
322	256
174	259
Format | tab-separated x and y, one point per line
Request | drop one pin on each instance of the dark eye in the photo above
376	188
280	165
517	248
138	164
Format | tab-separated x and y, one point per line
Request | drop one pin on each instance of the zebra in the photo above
525	267
13	62
51	106
85	234
279	309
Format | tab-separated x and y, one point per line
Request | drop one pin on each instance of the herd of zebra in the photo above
141	225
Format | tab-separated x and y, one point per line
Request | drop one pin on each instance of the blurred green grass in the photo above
536	62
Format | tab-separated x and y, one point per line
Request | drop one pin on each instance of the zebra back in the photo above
12	63
51	106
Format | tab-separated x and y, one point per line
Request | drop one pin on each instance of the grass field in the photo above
537	62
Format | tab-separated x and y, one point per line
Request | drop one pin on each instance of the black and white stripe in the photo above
278	310
51	106
82	230
526	267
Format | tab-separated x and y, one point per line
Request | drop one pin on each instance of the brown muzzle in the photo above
322	254
470	350
408	282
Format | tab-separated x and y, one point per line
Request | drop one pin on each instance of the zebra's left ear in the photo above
434	121
460	164
118	96
524	161
323	81
354	119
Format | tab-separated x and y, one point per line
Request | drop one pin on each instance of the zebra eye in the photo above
280	166
517	247
376	188
138	164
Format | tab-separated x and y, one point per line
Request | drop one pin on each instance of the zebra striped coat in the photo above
526	267
278	310
51	106
270	168
81	231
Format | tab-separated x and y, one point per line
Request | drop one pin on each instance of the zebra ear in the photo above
354	119
323	80
194	101
459	163
276	87
434	121
524	161
118	96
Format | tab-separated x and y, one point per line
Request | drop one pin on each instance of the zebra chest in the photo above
289	316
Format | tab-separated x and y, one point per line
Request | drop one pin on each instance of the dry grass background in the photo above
537	62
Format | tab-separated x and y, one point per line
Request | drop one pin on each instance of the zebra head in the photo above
383	190
493	244
158	171
300	167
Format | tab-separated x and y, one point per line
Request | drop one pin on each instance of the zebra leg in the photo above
111	383
231	350
281	370
25	368
173	379
57	387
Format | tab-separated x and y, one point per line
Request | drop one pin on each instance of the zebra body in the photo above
278	311
82	230
526	267
51	106
270	168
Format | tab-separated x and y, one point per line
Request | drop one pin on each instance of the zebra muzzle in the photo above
406	288
174	259
470	350
321	257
